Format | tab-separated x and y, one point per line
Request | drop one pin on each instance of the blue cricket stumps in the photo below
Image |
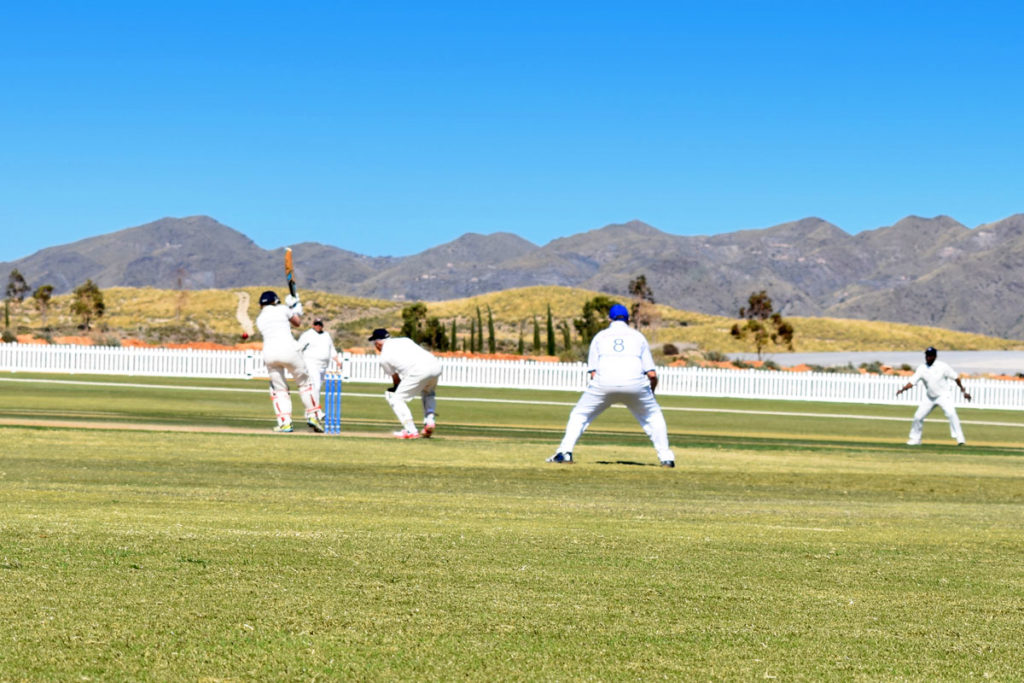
332	402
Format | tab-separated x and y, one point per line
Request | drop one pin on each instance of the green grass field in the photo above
156	530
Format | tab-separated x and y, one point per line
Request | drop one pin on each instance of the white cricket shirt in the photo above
620	355
317	347
274	323
405	357
939	379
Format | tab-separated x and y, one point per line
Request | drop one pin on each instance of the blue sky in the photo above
391	127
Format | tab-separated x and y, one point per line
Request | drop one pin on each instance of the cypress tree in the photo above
551	333
491	346
479	331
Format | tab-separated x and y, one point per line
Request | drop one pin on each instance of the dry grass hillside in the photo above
167	316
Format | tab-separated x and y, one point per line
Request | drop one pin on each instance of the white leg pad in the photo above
282	402
309	400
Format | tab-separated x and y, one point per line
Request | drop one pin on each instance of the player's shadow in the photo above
623	462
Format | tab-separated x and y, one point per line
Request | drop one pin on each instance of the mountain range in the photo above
926	271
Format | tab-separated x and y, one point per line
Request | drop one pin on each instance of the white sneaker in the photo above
403	434
428	430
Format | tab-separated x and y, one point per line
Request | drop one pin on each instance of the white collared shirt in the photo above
317	347
938	378
620	356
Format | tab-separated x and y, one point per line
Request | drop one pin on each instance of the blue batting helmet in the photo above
618	312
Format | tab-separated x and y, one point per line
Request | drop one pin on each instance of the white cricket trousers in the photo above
278	361
927	406
316	372
419	384
640	401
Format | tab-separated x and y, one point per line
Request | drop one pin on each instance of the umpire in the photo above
621	371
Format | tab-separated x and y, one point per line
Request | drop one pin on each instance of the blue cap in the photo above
618	312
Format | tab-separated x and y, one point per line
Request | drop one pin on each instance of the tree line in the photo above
86	302
760	324
558	336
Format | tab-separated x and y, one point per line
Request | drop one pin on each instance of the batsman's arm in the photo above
652	377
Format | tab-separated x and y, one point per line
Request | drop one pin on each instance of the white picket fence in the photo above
467	372
128	360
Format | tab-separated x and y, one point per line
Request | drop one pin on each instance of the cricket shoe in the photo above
668	463
405	434
564	458
428	430
286	428
315	423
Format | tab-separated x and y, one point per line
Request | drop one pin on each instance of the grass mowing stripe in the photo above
564	404
222	556
132	385
682	441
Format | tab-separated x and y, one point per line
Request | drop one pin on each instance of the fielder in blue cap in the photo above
621	371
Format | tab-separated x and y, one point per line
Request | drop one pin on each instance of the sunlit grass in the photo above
778	550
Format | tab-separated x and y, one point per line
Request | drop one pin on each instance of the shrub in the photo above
670	350
716	356
874	367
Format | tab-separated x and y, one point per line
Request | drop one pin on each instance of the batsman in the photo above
281	354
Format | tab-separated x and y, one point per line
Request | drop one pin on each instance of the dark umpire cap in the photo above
930	351
379	333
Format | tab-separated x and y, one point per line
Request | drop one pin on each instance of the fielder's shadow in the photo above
623	462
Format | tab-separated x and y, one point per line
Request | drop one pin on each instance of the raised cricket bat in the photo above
289	271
